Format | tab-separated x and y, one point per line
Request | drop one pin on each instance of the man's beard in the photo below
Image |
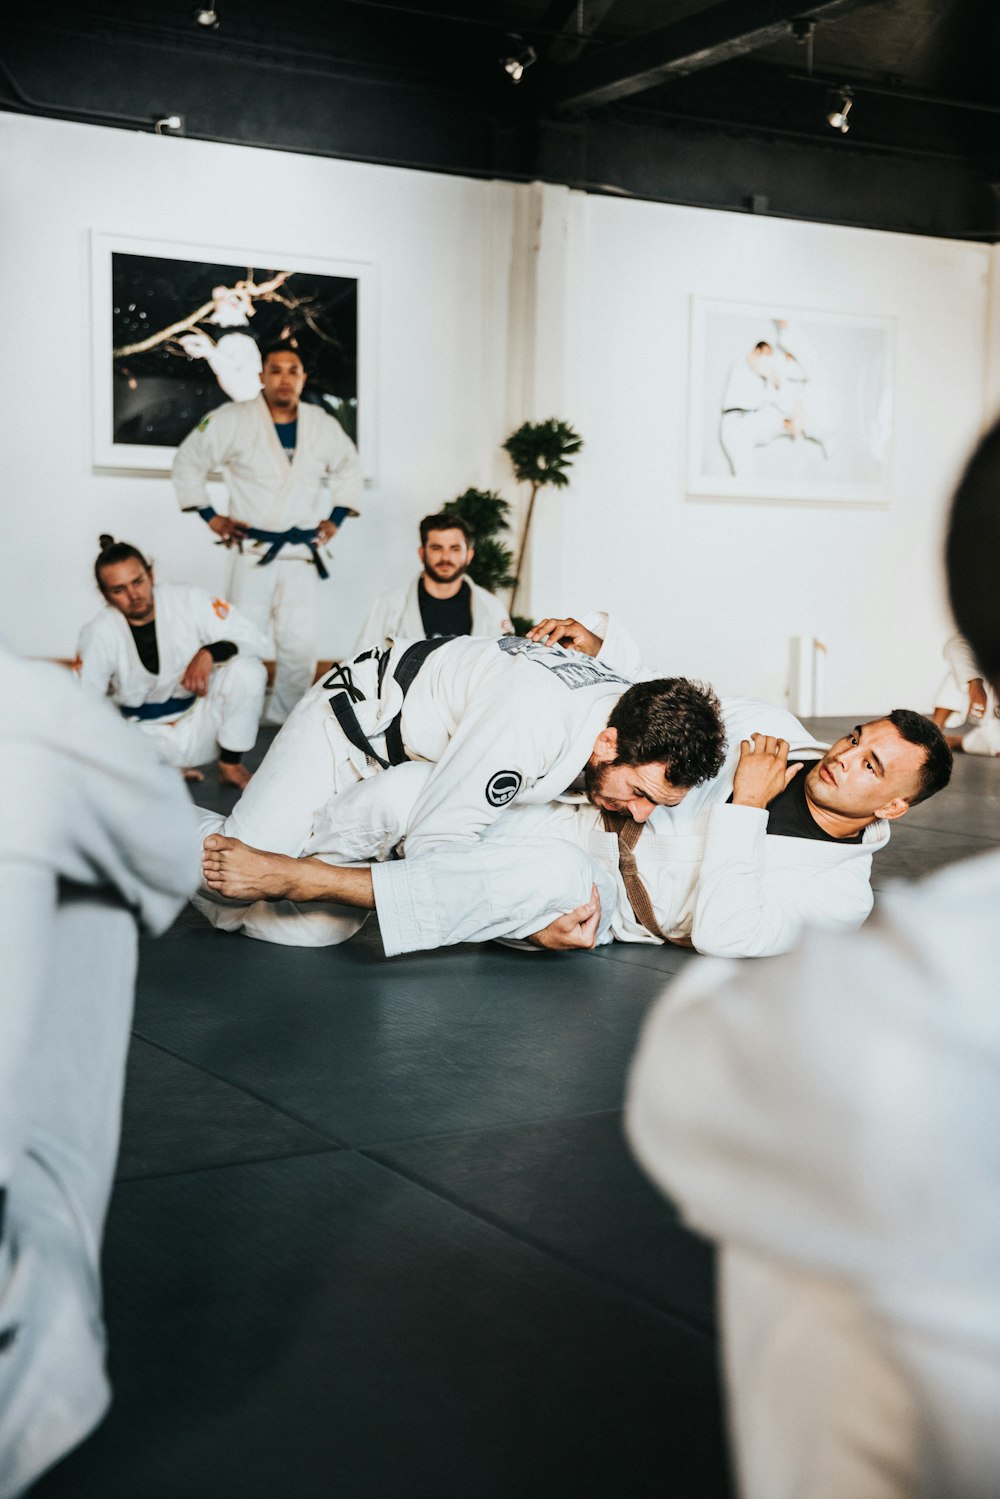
437	577
594	777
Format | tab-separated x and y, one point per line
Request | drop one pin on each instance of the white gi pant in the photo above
280	599
53	1384
227	717
310	762
95	836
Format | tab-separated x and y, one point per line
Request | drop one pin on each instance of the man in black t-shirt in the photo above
443	599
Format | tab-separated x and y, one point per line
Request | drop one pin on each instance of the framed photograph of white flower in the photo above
179	329
789	404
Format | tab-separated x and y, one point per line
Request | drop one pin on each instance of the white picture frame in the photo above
139	416
789	404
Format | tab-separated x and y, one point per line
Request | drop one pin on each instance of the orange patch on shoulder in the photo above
221	608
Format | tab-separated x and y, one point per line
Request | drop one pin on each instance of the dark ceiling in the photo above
718	103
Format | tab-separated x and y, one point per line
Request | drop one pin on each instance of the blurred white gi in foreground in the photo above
95	840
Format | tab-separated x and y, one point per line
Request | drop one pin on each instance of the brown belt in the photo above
628	832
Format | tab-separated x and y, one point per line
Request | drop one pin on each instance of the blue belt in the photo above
156	710
295	536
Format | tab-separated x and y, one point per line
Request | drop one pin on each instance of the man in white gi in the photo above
277	453
186	668
442	600
739	868
963	695
499	721
95	840
832	1119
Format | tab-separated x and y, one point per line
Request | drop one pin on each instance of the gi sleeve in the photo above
219	619
743	910
961	662
619	650
343	468
94	666
203	451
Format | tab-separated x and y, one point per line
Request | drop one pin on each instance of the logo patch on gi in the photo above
221	608
502	787
204	422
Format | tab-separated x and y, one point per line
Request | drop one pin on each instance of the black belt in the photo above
342	703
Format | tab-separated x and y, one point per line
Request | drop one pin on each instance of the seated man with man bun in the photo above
186	667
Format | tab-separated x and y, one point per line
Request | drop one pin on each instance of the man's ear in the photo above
420	554
606	746
470	553
893	809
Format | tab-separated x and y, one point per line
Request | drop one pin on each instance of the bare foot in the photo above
234	775
954	742
190	774
244	873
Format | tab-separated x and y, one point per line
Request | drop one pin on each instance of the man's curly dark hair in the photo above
672	722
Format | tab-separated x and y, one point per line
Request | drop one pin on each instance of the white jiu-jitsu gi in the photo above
713	873
194	727
984	738
832	1119
499	720
271	494
96	837
396	616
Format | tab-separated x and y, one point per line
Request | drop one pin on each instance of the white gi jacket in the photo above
712	872
265	490
498	722
832	1119
186	619
96	836
396	616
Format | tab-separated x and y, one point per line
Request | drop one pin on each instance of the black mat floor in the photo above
377	1233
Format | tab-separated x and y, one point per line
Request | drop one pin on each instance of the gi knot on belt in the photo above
628	832
294	536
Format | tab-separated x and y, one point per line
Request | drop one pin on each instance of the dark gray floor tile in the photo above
368	1050
178	1118
572	1187
916	851
320	1327
663	958
957	810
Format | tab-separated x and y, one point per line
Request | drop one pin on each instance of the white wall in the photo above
498	303
428	236
717	588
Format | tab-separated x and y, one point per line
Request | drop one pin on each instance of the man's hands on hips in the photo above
574	930
198	673
325	532
763	771
231	531
568	632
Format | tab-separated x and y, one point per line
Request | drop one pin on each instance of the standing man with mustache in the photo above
277	453
442	600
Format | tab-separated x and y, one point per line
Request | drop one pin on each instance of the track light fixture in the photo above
837	118
169	125
521	55
207	16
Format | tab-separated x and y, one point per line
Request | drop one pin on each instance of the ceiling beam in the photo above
727	30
